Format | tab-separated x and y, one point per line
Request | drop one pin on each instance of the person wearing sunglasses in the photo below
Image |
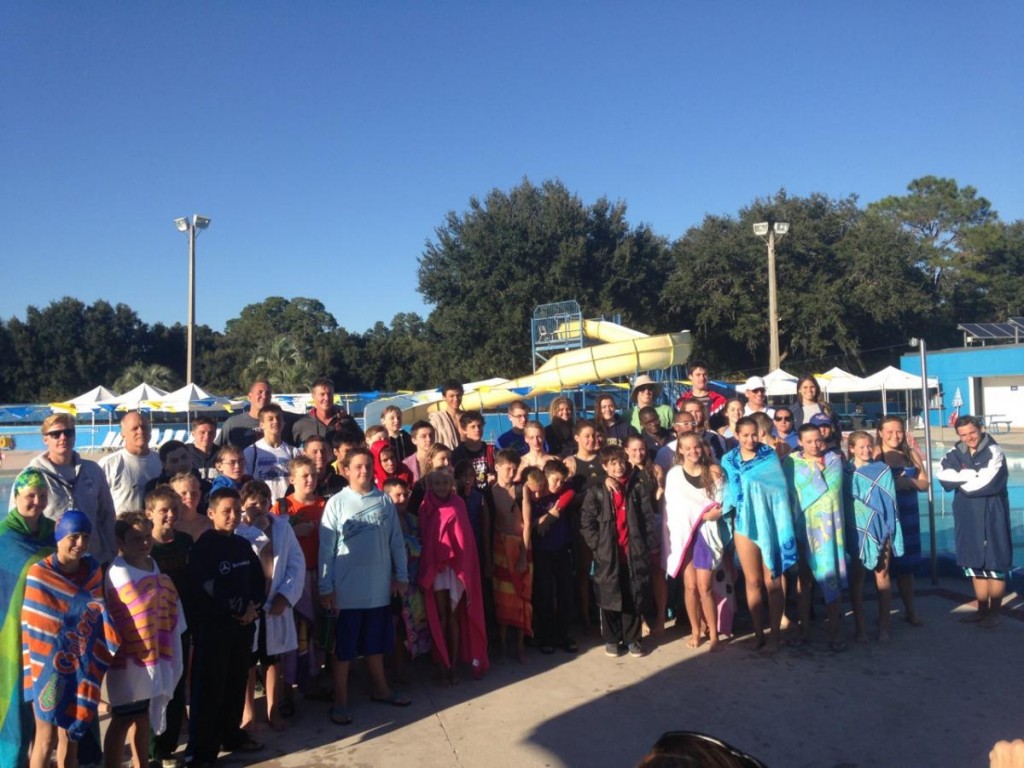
756	392
785	427
76	483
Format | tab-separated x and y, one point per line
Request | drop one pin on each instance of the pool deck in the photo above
941	694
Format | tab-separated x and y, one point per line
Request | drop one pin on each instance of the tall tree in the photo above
68	347
846	283
154	374
305	322
488	268
283	363
952	224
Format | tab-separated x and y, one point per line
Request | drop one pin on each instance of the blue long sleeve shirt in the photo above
361	549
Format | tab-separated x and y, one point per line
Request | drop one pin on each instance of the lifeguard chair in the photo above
555	328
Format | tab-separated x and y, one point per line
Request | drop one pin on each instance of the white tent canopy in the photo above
135	398
837	381
894	378
777	383
191	397
87	401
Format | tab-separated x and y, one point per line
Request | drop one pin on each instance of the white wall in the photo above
1005	395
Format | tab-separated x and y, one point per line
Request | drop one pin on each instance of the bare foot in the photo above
693	642
521	655
914	620
714	645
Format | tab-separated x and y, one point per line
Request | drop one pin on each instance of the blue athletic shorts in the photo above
364	632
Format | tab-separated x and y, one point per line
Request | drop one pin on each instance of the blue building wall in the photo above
953	368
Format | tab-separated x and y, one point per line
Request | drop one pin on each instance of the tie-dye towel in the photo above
19	551
816	486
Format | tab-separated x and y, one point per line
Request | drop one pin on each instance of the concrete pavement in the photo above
939	695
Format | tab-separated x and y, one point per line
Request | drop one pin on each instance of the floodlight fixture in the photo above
191	227
770	231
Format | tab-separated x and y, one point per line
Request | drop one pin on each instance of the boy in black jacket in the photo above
617	523
228	586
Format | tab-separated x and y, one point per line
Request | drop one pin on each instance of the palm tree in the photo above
153	374
283	364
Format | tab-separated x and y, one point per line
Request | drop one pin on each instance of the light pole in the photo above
923	347
191	225
770	231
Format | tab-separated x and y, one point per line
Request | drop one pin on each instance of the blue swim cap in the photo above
73	521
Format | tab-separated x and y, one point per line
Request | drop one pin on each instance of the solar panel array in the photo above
1011	331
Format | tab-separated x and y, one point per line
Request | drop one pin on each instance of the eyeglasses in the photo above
54	434
783	418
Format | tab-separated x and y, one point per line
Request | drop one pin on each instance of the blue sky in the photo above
327	140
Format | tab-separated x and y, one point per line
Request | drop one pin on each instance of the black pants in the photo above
164	745
552	595
625	625
220	672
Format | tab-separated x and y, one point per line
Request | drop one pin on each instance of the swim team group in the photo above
276	553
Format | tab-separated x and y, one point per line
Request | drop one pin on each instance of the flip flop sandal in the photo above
394	700
340	716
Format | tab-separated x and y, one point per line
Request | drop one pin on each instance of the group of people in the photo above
292	548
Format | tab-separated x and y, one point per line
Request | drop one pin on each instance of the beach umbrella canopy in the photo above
958	399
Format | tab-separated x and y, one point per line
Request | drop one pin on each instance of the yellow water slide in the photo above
623	352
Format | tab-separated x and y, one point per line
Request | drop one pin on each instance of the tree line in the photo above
854	283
